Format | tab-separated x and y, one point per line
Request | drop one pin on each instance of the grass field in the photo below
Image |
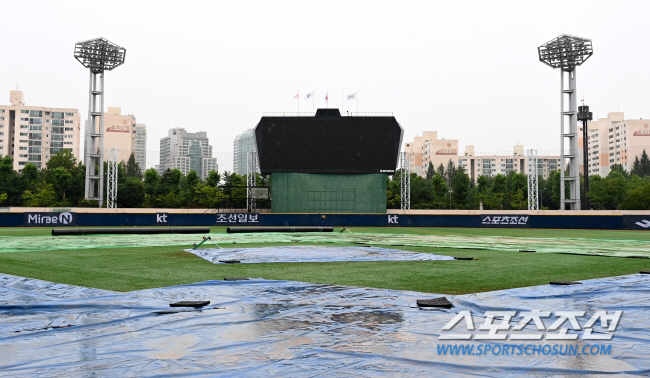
125	269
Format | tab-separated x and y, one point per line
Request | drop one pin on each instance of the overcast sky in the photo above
467	69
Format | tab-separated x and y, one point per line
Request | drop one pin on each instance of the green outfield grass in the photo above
125	269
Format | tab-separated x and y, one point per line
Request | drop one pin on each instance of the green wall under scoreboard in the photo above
328	193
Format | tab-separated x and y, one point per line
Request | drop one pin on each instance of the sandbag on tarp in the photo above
311	254
283	328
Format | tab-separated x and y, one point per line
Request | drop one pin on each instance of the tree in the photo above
213	179
495	198
636	167
393	192
30	176
430	171
638	198
9	181
61	181
188	186
130	192
644	165
3	197
440	192
607	193
132	167
618	168
168	189
70	187
451	170
421	192
483	184
460	188
44	195
151	182
441	170
516	190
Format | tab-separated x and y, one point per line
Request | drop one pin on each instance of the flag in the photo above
296	96
327	97
352	96
309	95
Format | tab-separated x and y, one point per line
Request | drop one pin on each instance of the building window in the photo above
69	114
24	111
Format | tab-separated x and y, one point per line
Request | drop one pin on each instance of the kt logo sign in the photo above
161	219
393	219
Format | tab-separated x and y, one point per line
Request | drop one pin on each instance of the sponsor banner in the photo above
505	221
50	219
162	219
637	222
238	218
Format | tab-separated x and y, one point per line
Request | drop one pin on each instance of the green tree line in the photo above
62	182
450	187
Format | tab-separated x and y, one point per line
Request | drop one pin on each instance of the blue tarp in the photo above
311	254
262	328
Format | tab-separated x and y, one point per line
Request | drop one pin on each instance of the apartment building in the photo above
427	149
122	132
243	144
33	134
615	140
492	165
187	151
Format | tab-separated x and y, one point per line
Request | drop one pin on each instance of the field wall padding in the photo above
72	219
328	193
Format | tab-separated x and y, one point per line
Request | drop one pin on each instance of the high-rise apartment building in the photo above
428	148
140	146
122	132
187	151
615	140
243	144
492	165
33	134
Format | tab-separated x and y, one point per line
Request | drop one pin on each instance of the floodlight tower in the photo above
585	116
98	55
566	52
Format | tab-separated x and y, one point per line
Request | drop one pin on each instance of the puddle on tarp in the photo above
262	328
589	246
311	254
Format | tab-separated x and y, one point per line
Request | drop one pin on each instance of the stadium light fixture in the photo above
566	52
98	55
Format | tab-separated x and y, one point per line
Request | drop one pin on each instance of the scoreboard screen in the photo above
328	144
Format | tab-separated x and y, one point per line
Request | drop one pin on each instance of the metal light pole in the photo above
585	116
98	55
567	52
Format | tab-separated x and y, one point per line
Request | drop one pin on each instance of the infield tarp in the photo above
311	254
283	328
588	246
